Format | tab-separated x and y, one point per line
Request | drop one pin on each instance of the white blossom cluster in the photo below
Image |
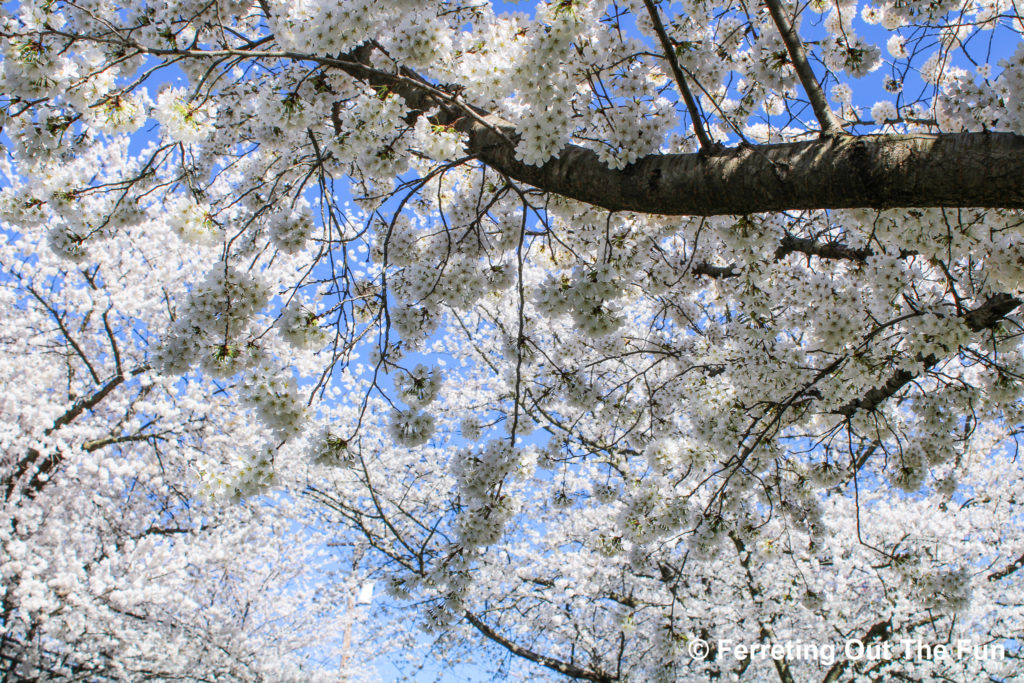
290	233
328	448
411	427
278	403
945	591
479	473
543	125
217	315
437	142
192	221
117	113
586	296
419	386
300	326
182	119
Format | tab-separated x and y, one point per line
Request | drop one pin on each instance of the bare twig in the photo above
706	143
829	122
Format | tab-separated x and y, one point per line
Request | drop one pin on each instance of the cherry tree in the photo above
117	563
626	335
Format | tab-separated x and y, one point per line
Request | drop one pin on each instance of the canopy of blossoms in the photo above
607	327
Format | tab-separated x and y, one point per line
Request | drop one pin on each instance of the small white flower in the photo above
897	46
883	111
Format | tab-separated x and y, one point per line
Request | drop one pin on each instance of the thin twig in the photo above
829	122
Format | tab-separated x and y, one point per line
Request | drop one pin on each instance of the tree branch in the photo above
829	122
827	250
765	631
561	667
985	316
838	172
881	631
88	402
791	244
1009	569
978	170
51	461
706	143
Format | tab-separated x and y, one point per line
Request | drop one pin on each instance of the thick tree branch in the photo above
791	244
977	170
90	446
87	402
561	667
879	172
716	272
982	170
